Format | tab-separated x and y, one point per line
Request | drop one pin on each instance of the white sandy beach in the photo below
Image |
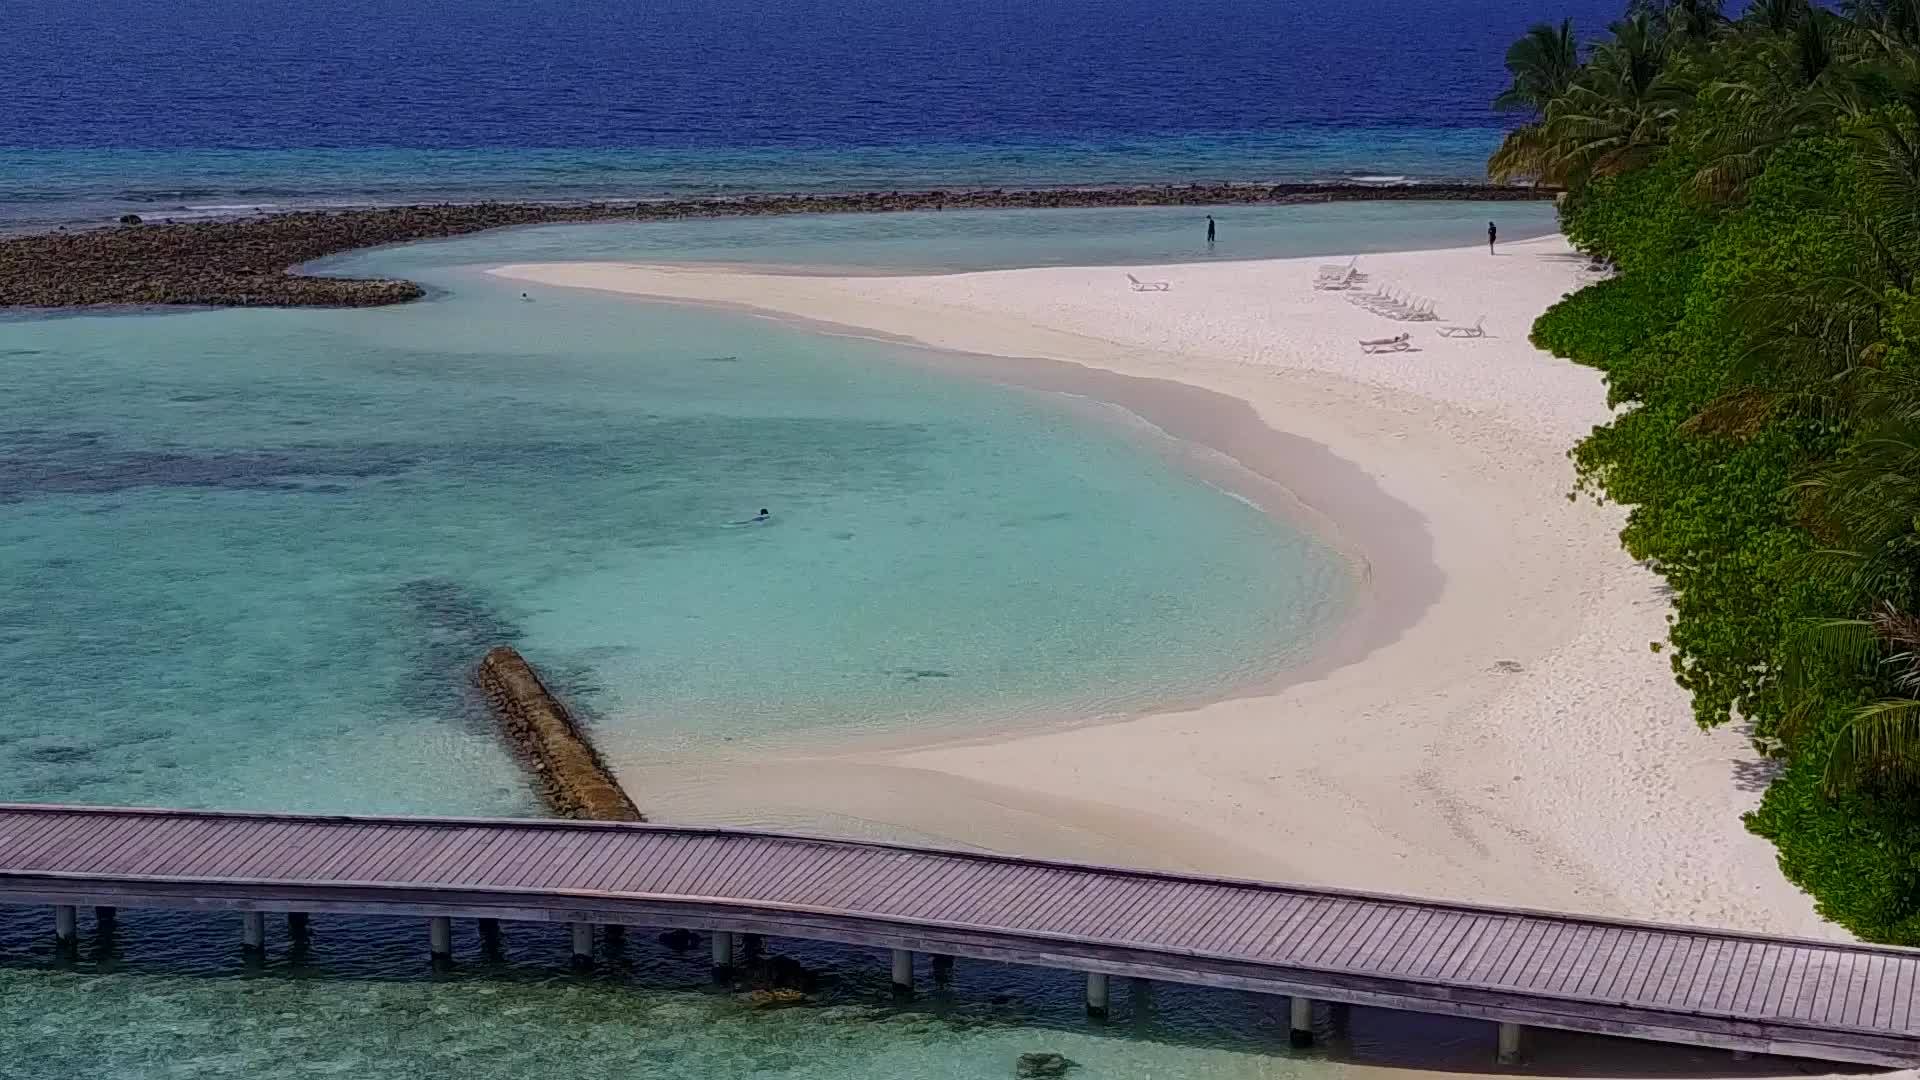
1495	726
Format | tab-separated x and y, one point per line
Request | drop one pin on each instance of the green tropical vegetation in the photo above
1753	182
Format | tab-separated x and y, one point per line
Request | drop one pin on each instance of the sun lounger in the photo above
1339	276
1478	329
1148	286
1400	342
1398	306
1339	282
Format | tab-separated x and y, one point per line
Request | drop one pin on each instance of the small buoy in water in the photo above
524	296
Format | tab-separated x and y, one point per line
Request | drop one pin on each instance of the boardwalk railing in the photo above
1714	988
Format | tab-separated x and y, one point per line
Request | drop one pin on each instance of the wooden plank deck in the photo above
1673	984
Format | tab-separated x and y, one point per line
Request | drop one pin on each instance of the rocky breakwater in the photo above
568	771
251	262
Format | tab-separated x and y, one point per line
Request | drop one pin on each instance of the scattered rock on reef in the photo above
1034	1066
568	771
252	262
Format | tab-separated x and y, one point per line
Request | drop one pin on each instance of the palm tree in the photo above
1611	117
1686	20
1786	84
1888	139
1864	509
1543	64
1894	23
1777	16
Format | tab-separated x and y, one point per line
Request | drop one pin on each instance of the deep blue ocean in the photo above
171	108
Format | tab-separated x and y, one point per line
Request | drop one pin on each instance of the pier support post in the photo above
582	945
1097	995
253	934
490	938
902	971
1300	1022
722	951
440	940
942	965
66	929
105	918
297	923
1509	1052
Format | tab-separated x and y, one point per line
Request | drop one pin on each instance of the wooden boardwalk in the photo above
1672	984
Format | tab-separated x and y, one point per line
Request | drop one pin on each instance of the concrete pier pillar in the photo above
722	950
1300	1022
942	966
104	918
582	944
902	971
440	939
1097	994
297	923
253	933
1509	1052
66	928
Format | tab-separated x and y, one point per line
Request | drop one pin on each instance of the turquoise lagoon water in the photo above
259	551
251	556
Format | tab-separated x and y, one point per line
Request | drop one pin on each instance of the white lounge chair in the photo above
1148	286
1399	342
1478	329
1345	279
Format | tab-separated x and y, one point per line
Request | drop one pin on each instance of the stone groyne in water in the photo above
248	262
571	777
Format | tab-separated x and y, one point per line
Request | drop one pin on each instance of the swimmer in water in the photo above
524	296
762	515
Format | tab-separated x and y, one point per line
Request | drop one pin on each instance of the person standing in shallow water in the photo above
1209	229
1492	235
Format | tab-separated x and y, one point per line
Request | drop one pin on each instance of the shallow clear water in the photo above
259	551
254	554
965	240
169	996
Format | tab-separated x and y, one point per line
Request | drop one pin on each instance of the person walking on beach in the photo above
1492	235
1209	230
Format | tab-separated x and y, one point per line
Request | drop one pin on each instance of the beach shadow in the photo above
1755	774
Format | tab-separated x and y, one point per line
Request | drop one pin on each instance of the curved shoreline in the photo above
1514	741
255	261
1219	439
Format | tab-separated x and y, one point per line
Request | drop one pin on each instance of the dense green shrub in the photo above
1707	449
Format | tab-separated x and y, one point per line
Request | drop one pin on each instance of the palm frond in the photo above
1880	743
